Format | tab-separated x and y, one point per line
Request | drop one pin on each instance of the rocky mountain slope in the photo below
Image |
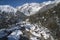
26	31
31	21
31	8
9	16
50	19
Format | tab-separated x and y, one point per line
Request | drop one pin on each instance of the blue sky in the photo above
19	2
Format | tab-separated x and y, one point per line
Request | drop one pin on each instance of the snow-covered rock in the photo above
32	8
2	33
34	31
29	8
25	29
57	1
7	8
15	35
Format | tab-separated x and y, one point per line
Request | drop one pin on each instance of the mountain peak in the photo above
7	8
32	8
29	8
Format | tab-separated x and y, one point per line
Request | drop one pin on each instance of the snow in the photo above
28	8
33	38
39	32
57	1
49	2
2	33
15	35
32	8
46	36
35	32
7	8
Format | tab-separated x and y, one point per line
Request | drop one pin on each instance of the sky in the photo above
15	3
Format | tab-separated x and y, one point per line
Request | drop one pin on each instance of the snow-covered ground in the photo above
25	30
34	31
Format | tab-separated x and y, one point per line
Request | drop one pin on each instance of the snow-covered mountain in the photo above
29	8
32	8
7	8
9	12
24	30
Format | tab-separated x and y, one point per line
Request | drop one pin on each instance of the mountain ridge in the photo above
28	8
